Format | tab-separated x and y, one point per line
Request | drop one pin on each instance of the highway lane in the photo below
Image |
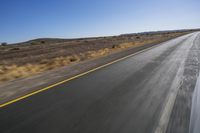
195	114
180	117
127	96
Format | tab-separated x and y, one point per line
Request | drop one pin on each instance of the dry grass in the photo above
11	72
14	71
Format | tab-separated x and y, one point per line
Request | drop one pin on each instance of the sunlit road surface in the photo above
135	95
195	113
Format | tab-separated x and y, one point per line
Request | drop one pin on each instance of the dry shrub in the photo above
98	53
11	72
130	44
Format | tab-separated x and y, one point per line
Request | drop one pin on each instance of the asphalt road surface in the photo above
195	114
129	96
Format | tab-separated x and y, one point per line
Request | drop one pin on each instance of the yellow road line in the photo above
69	79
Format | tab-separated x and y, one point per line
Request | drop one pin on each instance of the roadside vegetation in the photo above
36	56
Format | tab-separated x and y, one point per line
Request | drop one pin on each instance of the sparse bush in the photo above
137	37
114	46
15	48
4	44
33	43
72	59
43	42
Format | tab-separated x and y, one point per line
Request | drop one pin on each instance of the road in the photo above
130	96
195	114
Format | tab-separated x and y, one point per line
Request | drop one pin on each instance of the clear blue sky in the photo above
21	20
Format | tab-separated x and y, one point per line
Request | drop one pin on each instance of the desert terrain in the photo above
36	56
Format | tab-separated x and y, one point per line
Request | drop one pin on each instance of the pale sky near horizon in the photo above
22	20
